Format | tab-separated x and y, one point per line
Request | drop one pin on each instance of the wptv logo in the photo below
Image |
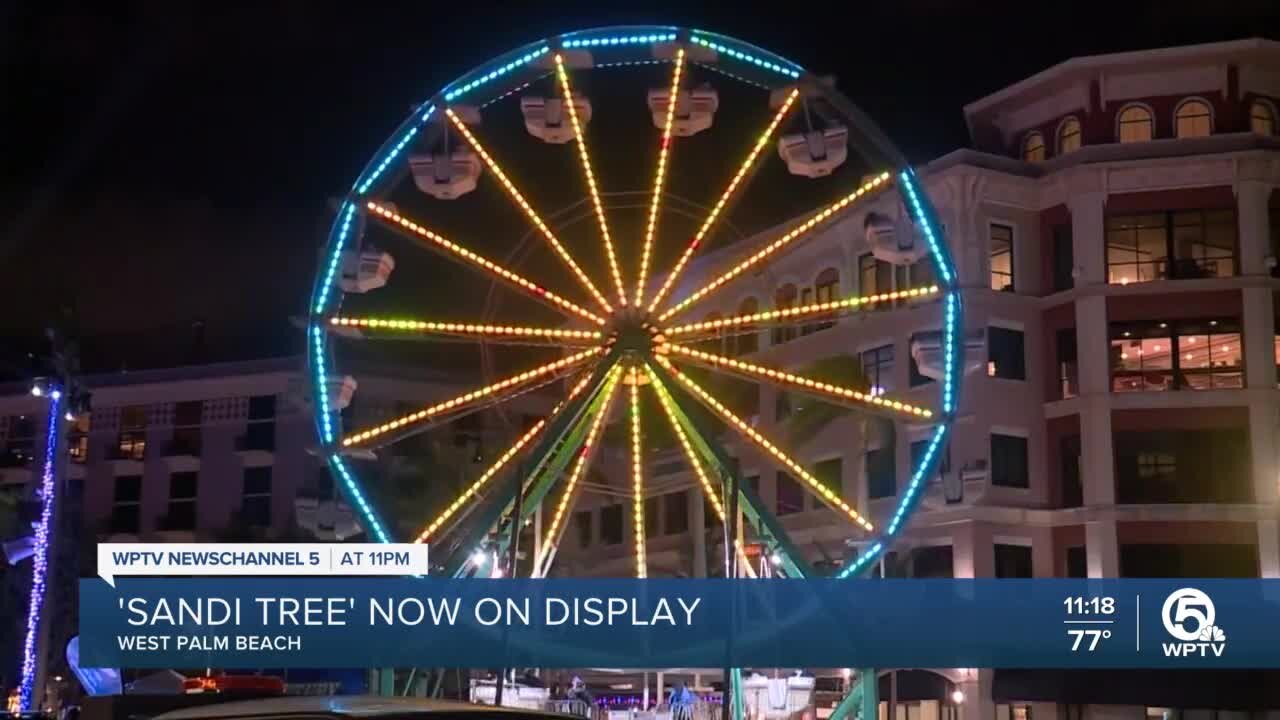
1189	616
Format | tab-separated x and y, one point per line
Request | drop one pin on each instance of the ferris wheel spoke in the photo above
532	214
848	397
472	490
400	329
642	278
585	159
743	171
775	246
434	241
551	540
489	393
823	493
708	490
738	324
637	474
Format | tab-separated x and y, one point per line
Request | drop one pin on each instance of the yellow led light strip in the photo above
777	245
591	179
659	177
708	490
532	214
822	491
827	388
799	311
637	475
498	464
724	199
449	328
579	467
478	394
480	261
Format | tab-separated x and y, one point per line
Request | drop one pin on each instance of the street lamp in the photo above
957	697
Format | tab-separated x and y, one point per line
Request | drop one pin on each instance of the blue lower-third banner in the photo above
385	622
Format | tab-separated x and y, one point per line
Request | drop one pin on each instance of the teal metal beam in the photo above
560	427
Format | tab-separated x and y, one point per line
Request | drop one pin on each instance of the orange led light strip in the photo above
479	261
724	199
591	179
799	311
708	490
637	475
497	466
579	467
479	394
532	214
832	499
659	177
449	328
787	378
777	245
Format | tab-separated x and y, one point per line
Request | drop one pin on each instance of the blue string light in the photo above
746	57
612	40
455	93
347	214
394	152
40	561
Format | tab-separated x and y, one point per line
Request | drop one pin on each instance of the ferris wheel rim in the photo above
325	296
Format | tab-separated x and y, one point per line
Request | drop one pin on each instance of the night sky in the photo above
167	162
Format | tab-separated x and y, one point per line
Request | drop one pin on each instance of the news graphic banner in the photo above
416	622
240	559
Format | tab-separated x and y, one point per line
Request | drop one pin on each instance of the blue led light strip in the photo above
498	72
395	150
347	213
745	57
611	40
40	560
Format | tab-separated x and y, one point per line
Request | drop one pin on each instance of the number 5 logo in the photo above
1186	612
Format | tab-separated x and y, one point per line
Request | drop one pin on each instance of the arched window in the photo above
784	298
1193	118
748	341
1262	118
1033	147
1135	124
826	287
1068	135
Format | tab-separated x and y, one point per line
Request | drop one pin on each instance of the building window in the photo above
1135	124
1013	561
260	433
748	338
582	526
78	438
1033	147
1174	245
1193	118
675	513
611	524
712	343
1069	135
1002	258
126	504
1262	118
20	442
1005	354
1179	466
784	298
650	516
255	502
1176	355
131	443
829	473
826	288
781	406
1156	465
877	368
1068	368
182	501
1009	467
874	276
882	473
917	450
788	494
1063	258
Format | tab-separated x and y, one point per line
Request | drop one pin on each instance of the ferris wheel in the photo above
598	120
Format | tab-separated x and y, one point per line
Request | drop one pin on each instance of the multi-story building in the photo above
1116	228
